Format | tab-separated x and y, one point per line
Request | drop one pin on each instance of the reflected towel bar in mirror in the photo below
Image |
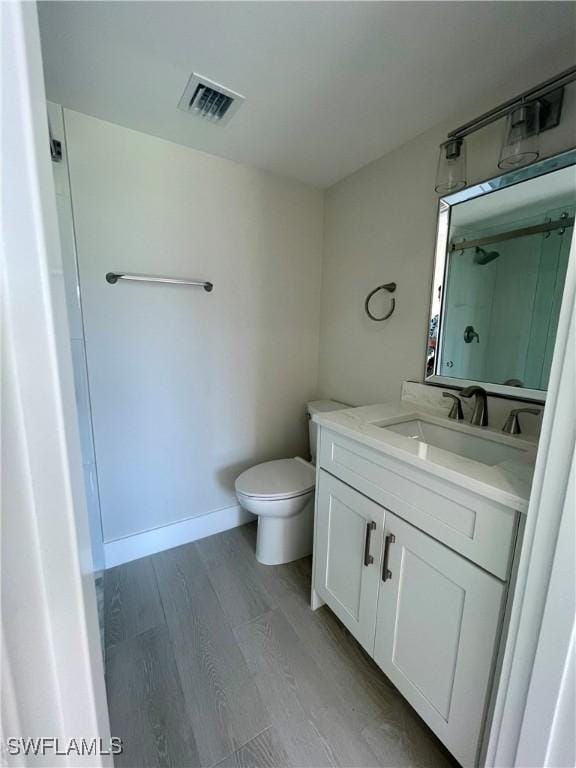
563	223
113	277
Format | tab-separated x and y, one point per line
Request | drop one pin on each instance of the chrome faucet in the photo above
512	425
456	409
480	412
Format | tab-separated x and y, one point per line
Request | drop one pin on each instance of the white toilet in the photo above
281	493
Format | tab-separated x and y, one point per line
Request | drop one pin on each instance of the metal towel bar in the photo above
113	277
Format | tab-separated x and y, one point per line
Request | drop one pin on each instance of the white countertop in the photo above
507	483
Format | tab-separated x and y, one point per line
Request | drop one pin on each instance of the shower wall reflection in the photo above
508	295
499	289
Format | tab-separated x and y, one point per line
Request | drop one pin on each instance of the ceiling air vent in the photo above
210	101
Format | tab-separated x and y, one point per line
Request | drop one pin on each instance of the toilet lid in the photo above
280	479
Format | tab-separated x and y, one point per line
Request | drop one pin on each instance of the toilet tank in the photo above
319	406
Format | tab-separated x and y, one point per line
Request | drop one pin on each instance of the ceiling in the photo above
329	86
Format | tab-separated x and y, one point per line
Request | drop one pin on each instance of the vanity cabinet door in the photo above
437	627
347	556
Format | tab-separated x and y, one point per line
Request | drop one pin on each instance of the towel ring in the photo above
390	287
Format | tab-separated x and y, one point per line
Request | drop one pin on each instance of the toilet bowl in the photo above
281	494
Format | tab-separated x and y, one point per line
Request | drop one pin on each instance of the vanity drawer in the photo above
481	530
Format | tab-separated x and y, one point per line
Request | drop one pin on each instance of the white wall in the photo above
190	388
380	226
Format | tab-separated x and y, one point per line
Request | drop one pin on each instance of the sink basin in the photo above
474	447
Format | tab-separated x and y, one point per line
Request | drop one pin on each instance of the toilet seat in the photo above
275	480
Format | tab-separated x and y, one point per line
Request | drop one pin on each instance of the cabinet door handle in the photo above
390	539
368	558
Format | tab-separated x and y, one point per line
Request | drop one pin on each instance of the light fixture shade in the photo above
521	141
451	171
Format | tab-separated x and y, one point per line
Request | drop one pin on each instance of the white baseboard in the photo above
173	535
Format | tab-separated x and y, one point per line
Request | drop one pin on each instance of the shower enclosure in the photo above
64	278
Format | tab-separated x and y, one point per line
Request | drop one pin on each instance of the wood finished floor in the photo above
215	660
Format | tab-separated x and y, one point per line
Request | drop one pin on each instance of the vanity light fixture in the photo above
521	141
527	116
451	171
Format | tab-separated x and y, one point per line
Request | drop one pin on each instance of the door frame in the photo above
539	655
51	652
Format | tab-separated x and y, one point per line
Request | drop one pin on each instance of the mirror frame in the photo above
445	204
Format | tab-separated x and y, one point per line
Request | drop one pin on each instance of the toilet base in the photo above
284	539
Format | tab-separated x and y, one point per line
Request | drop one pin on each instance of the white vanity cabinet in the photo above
348	556
415	583
437	625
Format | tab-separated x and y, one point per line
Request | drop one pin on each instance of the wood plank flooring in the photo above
215	660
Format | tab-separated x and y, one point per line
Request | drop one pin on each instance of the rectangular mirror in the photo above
501	258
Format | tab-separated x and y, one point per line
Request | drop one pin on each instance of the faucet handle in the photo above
456	412
512	423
